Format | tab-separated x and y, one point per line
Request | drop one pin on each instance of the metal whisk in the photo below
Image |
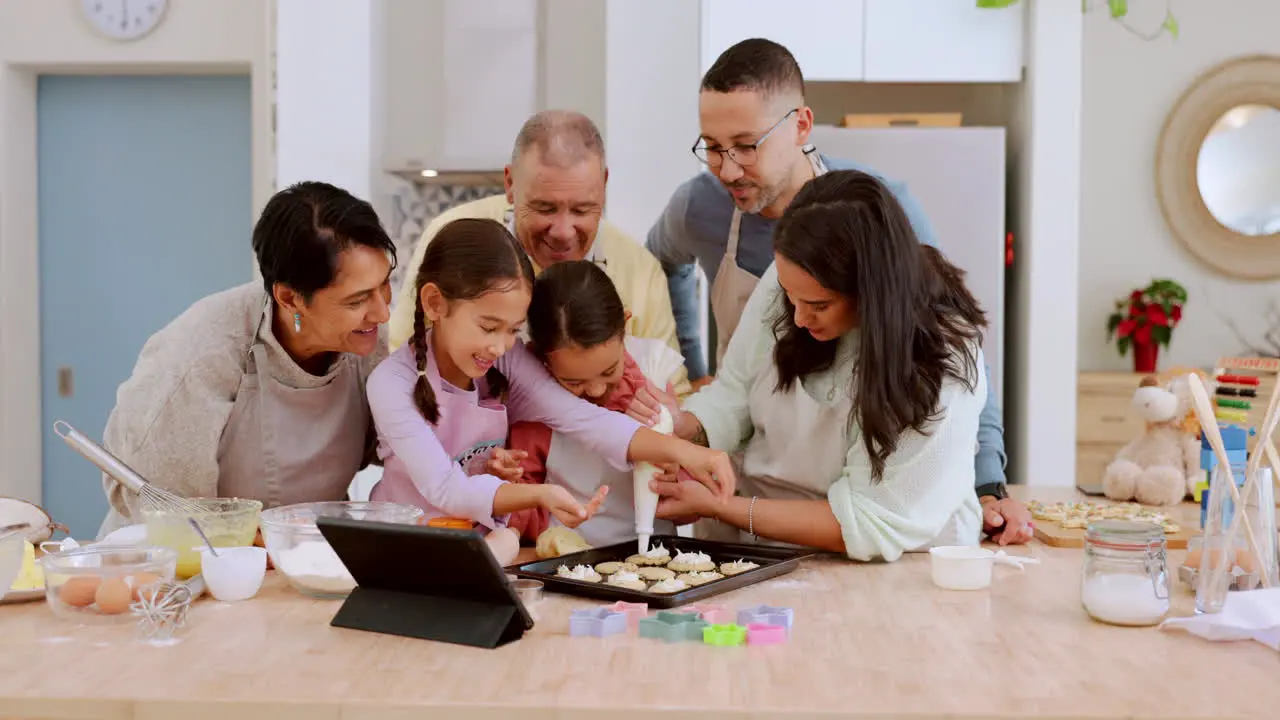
161	608
152	497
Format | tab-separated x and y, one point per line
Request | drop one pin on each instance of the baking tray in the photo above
773	562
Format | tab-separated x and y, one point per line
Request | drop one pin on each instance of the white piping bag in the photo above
646	500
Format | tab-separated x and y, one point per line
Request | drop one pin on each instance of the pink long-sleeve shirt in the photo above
412	454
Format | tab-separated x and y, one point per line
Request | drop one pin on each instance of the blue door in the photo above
145	206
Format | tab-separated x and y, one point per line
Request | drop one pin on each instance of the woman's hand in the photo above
1006	521
648	402
709	467
682	499
505	464
561	504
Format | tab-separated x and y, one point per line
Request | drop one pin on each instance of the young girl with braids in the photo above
577	328
442	402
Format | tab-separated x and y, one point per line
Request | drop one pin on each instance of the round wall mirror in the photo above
1238	170
1218	168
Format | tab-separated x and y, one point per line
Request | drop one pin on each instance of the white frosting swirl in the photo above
669	585
624	577
656	551
693	558
705	575
579	572
742	565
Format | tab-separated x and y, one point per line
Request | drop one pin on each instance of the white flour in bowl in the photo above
315	566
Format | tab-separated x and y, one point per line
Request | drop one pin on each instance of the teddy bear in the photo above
1162	465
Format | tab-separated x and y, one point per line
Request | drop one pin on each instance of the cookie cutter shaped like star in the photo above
673	626
596	622
724	635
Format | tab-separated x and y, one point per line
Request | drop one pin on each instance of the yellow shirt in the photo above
634	271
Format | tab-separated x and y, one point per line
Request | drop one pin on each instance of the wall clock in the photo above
124	19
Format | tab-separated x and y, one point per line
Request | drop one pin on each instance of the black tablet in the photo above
424	582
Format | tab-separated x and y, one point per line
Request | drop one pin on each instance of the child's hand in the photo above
647	404
505	464
561	504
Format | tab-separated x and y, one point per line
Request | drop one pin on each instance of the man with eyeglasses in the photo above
755	129
554	205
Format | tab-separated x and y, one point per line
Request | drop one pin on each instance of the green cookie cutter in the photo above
673	626
728	635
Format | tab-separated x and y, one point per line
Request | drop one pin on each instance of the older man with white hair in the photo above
554	205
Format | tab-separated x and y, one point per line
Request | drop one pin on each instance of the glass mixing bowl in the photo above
98	583
227	522
301	553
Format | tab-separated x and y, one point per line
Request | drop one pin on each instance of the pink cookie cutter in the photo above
760	634
711	612
635	612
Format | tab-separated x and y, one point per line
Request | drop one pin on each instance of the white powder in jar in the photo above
317	567
1123	599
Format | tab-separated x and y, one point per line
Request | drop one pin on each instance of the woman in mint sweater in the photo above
852	394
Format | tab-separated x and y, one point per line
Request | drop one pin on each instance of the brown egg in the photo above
138	581
1196	557
79	591
1247	561
113	596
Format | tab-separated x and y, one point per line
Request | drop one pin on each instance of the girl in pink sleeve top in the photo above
441	402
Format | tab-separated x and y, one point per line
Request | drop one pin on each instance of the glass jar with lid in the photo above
1125	577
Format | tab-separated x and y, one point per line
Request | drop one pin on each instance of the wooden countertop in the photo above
870	641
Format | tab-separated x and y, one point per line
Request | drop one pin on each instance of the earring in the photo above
297	323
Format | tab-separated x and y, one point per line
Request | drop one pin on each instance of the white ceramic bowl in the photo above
961	567
234	574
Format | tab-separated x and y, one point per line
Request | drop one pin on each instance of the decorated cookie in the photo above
667	587
699	577
691	562
609	568
655	573
626	579
656	555
737	566
578	572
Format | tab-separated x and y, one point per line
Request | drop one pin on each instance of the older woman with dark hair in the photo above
852	387
259	391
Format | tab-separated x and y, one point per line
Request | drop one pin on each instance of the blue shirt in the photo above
694	228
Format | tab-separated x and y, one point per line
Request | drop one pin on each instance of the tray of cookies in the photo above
674	571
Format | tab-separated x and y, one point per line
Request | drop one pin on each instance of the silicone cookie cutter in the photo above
635	612
728	635
758	634
596	622
767	615
673	626
711	612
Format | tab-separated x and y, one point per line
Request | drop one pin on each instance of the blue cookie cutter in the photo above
673	626
596	622
767	615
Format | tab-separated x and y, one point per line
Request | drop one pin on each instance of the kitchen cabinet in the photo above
877	40
826	36
462	76
941	41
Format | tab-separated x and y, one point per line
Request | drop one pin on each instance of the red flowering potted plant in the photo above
1145	319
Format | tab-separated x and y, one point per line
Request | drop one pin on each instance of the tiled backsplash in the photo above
413	206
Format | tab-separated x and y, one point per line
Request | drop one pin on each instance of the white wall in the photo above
651	106
328	93
1129	88
44	36
1042	293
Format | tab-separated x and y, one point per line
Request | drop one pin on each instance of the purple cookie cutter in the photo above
758	634
767	615
596	622
673	626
